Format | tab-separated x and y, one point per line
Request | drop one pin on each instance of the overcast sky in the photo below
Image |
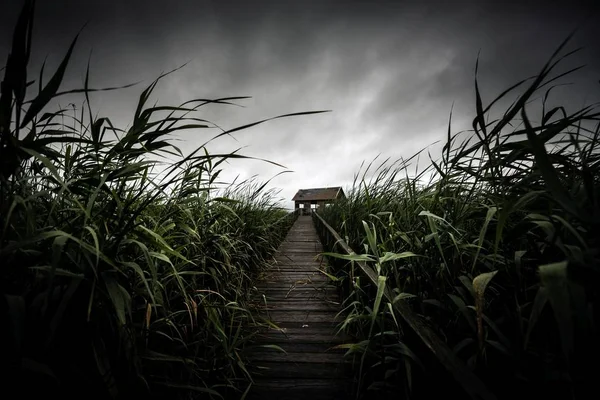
389	71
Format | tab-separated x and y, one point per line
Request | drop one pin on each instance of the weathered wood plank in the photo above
311	271
311	256
298	298
308	305
306	317
295	276
299	383
315	326
300	268
295	285
291	347
286	293
293	296
301	246
301	389
291	305
316	329
294	248
299	263
318	358
295	280
310	336
276	370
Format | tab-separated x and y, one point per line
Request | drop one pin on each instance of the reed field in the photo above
496	244
126	267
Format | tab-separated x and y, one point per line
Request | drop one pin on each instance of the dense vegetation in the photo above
122	275
496	245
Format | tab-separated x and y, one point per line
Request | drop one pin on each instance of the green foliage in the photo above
122	276
515	201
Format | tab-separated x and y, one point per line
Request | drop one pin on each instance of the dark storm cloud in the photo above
388	70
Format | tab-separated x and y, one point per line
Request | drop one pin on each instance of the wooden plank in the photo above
299	256
309	304
300	284
294	270
301	295
297	296
297	264
283	293
299	383
298	259
298	253
294	347
302	277
301	389
294	282
320	336
301	246
332	302
290	370
303	303
319	358
305	317
315	326
300	263
300	268
303	290
291	349
302	256
287	271
291	275
298	306
289	289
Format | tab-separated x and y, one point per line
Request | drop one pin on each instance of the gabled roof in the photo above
319	194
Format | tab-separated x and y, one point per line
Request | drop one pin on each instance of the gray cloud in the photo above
388	70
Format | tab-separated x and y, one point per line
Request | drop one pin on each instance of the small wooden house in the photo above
307	200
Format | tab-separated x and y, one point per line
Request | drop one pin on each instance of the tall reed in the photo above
122	275
505	228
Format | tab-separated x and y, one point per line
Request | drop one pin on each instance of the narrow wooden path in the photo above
297	297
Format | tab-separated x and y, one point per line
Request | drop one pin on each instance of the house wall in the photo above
306	209
307	205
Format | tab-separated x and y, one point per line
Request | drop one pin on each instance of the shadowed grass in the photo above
506	228
122	276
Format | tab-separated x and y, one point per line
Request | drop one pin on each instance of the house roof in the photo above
319	194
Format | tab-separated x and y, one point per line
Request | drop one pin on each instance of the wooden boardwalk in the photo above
297	297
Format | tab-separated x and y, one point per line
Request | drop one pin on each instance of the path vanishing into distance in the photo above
297	297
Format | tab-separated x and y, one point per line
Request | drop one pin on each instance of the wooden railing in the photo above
463	376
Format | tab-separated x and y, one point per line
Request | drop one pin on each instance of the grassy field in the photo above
126	266
496	244
123	275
